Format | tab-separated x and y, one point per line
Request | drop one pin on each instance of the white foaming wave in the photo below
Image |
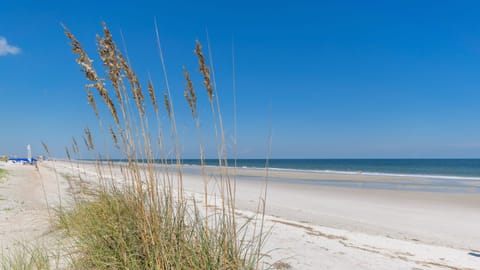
383	174
430	176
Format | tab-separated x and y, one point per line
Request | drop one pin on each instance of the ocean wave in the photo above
368	173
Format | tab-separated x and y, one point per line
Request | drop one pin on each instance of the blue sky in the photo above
333	79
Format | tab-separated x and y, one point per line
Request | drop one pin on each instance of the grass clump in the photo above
111	233
25	257
143	218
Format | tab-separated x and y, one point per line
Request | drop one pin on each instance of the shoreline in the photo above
373	181
352	180
321	171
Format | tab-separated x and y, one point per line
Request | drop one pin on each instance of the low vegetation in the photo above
144	219
26	257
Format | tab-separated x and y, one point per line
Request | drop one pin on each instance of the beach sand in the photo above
311	226
28	198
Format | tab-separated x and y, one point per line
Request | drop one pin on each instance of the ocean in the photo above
439	175
438	168
432	175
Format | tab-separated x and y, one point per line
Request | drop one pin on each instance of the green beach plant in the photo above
143	218
26	257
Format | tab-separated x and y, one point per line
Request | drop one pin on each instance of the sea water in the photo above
442	175
469	168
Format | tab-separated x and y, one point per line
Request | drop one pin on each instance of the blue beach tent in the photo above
22	160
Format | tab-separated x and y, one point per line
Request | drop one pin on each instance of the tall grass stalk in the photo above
142	218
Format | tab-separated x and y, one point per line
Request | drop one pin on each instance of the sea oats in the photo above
86	143
144	198
153	98
46	148
190	93
204	70
87	67
167	105
68	153
134	83
89	140
83	60
100	86
91	101
75	146
139	98
112	109
114	137
108	53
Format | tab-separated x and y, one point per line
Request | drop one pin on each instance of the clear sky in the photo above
334	79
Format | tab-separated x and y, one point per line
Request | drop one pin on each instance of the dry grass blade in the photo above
204	70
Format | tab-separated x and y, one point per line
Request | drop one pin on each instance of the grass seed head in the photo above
190	93
68	153
153	98
75	148
46	148
91	101
87	67
108	53
89	139
204	70
134	83
167	105
114	137
83	60
100	86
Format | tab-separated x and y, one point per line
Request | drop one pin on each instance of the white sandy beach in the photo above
312	226
28	198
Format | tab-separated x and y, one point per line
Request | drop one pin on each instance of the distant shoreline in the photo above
447	169
342	179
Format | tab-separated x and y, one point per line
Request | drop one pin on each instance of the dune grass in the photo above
26	257
144	219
